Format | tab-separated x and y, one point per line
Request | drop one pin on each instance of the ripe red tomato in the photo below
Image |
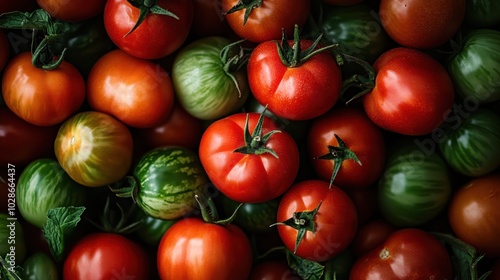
302	92
366	205
335	221
136	91
252	176
361	137
74	10
421	24
4	50
208	19
157	36
106	256
273	270
474	216
194	249
370	235
46	97
408	253
266	21
413	92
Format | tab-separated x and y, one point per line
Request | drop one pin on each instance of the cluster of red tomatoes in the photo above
258	139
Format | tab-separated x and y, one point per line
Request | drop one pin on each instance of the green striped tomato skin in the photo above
414	187
473	148
482	13
201	85
168	179
18	241
44	185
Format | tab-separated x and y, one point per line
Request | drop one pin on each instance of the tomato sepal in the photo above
235	62
147	7
209	212
248	6
116	219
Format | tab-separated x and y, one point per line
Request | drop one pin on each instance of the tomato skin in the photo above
295	93
336	220
194	249
474	216
103	256
272	270
138	92
408	253
266	22
47	97
360	135
145	41
4	50
413	92
208	19
419	24
75	10
370	235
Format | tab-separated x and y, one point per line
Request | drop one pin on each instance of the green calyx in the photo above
338	154
256	142
234	61
209	211
115	219
247	5
147	7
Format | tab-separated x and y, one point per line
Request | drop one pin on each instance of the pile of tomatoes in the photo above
258	139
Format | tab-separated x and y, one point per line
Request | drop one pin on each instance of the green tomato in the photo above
205	82
40	266
253	217
415	186
12	241
151	230
475	68
482	13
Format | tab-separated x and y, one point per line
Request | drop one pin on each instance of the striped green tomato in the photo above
44	185
415	186
167	179
12	239
472	145
210	83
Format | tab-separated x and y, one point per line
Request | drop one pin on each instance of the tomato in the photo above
272	270
155	37
47	97
195	249
138	92
370	235
260	21
106	256
413	92
94	148
328	231
21	5
4	50
418	24
248	158
342	2
12	240
474	216
16	139
208	19
252	217
366	206
482	13
408	253
361	157
40	266
78	10
151	230
299	90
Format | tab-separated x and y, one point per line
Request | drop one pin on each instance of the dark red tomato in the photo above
366	206
157	36
19	5
273	270
194	249
136	91
342	2
413	92
17	139
74	10
46	97
295	93
103	256
474	216
266	21
335	222
370	235
360	136
421	24
180	129
408	253
252	176
4	50
208	19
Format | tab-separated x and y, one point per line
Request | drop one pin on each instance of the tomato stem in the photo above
147	7
234	63
209	211
247	5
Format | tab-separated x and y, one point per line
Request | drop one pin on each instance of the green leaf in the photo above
37	19
7	272
60	225
308	270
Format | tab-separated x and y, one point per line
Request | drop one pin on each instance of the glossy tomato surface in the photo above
75	10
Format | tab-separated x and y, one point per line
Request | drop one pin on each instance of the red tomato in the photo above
4	50
194	249
157	36
405	254
413	93
208	19
74	10
101	256
266	21
361	137
17	140
138	92
421	24
335	221
366	205
474	216
370	235
295	93
252	177
273	270
46	97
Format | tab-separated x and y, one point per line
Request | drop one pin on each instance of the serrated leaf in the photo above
38	19
306	269
7	272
